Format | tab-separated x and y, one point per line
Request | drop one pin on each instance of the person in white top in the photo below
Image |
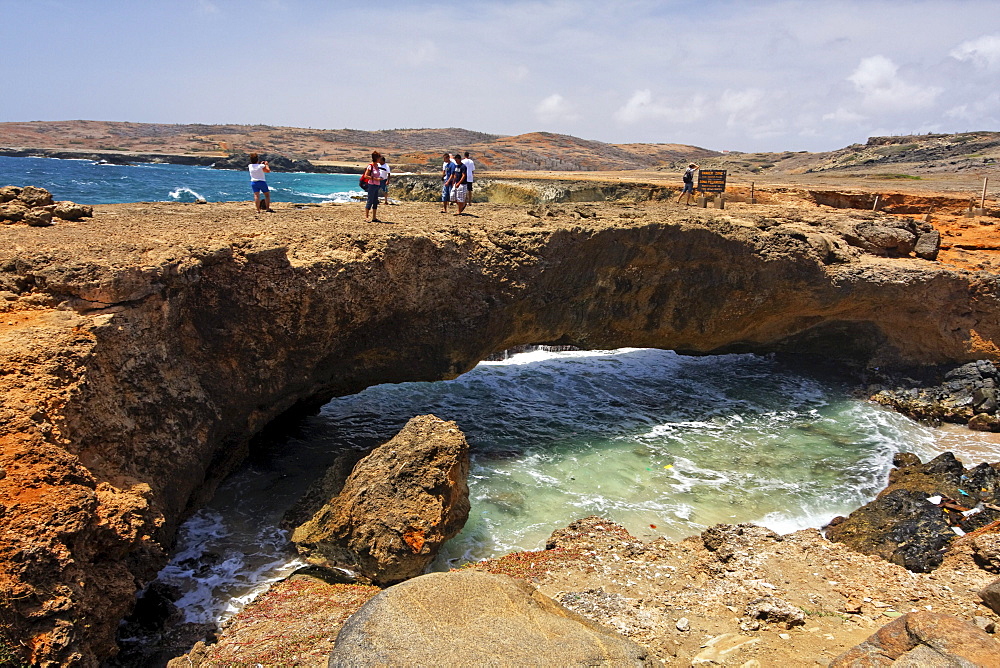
470	169
383	168
258	183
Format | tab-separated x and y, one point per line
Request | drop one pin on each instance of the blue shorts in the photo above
384	188
259	186
688	188
446	194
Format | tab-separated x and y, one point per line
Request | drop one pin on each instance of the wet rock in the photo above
72	211
924	639
984	422
910	522
771	610
35	197
471	618
399	505
990	594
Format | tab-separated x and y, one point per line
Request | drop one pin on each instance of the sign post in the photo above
713	181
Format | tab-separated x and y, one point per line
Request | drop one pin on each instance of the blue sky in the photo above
766	75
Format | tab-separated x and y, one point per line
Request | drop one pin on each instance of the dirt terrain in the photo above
685	602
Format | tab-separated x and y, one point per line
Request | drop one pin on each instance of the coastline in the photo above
97	314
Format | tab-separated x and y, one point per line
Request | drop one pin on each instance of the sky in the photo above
734	75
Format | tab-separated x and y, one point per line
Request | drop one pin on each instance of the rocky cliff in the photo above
142	348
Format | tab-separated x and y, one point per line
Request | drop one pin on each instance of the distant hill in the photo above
901	156
421	149
414	148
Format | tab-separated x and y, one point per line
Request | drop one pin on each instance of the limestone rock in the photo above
904	527
7	193
12	212
928	245
771	610
398	506
37	217
72	211
986	552
924	639
34	197
991	596
470	618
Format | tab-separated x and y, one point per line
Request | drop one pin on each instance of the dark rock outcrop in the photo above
967	394
398	507
530	191
911	521
469	618
281	163
924	639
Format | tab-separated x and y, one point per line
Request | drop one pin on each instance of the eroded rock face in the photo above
924	639
147	346
910	522
398	506
471	618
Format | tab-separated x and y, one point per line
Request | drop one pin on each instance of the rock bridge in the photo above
141	350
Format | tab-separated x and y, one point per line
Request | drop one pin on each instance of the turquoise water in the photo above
664	444
89	182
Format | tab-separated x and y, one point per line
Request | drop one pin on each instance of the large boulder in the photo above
34	197
470	618
398	506
72	211
924	639
913	521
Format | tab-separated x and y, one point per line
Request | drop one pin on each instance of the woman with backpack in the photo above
373	180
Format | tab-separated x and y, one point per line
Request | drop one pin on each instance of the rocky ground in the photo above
693	601
65	284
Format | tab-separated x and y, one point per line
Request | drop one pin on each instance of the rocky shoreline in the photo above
144	346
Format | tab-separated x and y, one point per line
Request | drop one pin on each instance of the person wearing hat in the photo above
688	179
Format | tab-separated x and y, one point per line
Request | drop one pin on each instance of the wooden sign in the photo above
712	180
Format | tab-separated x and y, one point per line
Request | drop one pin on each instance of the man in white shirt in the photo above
258	183
383	168
470	170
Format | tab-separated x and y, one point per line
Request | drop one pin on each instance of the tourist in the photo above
470	170
373	179
447	171
258	183
385	173
688	180
459	184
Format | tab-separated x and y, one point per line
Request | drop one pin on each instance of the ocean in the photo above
663	444
89	182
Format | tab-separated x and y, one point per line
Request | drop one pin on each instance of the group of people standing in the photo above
458	176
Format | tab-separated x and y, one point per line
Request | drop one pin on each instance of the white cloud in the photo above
556	108
983	52
206	7
423	53
743	106
642	107
842	115
877	79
